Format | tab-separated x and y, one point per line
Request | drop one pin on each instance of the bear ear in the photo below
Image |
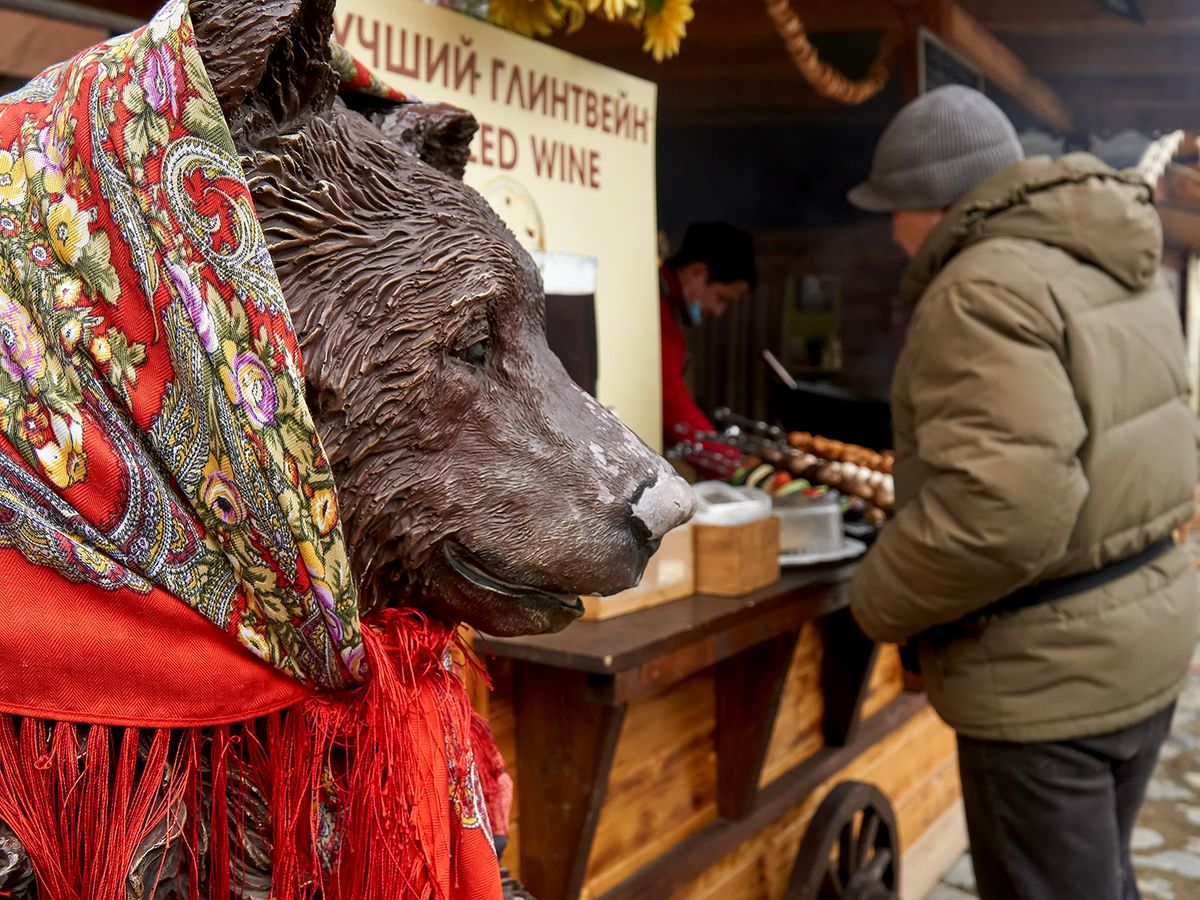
435	133
268	60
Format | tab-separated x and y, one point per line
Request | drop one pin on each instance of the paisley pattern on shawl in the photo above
153	426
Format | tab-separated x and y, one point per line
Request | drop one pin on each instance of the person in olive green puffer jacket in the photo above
1045	452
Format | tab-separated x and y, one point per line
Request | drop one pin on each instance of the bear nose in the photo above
647	545
661	504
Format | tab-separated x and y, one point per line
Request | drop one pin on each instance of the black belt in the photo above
1057	589
1043	592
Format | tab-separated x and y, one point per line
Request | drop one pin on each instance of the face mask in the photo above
694	313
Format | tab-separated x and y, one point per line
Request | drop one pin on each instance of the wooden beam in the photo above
734	23
823	15
1065	69
737	103
845	675
1092	27
1152	90
748	687
762	65
70	13
774	93
761	61
698	117
1004	68
136	9
1003	15
1107	53
570	741
933	14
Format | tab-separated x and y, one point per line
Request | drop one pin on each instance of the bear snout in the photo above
660	504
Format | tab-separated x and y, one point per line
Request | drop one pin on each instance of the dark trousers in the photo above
1053	821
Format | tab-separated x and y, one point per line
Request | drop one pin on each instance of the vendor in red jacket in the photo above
713	269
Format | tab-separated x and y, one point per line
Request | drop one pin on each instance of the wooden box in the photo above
669	575
732	560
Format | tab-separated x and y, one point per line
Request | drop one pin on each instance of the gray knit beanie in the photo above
936	149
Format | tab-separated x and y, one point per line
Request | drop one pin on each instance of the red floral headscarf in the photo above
160	475
154	429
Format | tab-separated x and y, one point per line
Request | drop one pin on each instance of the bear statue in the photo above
475	483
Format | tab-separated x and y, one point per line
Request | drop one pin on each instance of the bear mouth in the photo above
469	567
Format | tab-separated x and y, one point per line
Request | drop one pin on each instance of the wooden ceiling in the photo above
1112	73
1109	73
733	68
1105	73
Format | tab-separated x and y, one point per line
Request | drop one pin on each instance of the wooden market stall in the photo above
684	750
681	751
715	728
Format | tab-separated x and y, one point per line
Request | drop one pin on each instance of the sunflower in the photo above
666	27
613	10
527	17
575	14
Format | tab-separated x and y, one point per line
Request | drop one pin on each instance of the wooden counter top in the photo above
625	642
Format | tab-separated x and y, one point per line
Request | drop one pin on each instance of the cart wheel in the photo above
850	850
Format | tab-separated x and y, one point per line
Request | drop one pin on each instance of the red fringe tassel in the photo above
350	783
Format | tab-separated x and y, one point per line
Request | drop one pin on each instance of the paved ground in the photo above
1167	841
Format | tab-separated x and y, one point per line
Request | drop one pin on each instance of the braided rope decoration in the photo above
826	80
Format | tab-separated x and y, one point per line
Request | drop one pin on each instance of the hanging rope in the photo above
826	80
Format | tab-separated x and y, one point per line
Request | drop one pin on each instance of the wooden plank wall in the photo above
663	782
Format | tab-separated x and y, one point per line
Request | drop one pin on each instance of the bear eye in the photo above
476	354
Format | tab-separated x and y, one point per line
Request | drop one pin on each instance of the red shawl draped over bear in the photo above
184	664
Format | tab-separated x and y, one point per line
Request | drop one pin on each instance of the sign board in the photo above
938	65
565	154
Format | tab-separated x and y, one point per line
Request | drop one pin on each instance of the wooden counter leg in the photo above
846	664
748	688
566	739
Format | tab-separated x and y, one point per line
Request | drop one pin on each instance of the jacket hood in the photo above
1102	217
